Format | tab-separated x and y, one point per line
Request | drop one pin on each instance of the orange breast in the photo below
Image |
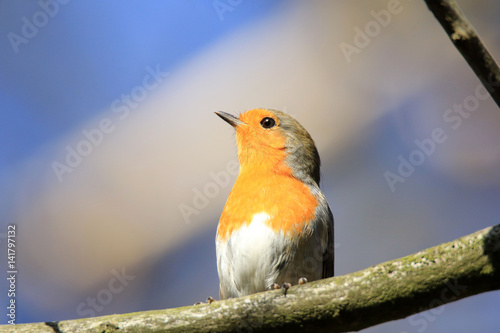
287	201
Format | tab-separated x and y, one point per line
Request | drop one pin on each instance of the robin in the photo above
276	226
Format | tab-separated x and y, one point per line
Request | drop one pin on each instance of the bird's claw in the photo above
275	286
285	286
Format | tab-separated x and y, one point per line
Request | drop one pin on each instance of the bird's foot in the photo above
275	286
302	280
210	299
285	286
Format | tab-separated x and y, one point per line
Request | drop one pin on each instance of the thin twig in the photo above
468	43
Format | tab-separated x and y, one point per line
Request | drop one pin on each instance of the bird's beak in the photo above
229	118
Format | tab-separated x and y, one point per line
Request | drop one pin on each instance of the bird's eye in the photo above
267	122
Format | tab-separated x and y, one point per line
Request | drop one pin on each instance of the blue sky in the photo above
89	52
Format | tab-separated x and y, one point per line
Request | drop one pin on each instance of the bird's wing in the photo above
329	254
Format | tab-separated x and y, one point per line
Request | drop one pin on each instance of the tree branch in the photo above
388	291
467	41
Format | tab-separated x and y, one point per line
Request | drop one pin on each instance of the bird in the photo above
276	226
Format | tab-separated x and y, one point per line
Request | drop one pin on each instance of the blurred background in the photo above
115	169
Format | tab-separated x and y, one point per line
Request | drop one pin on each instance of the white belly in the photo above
255	256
